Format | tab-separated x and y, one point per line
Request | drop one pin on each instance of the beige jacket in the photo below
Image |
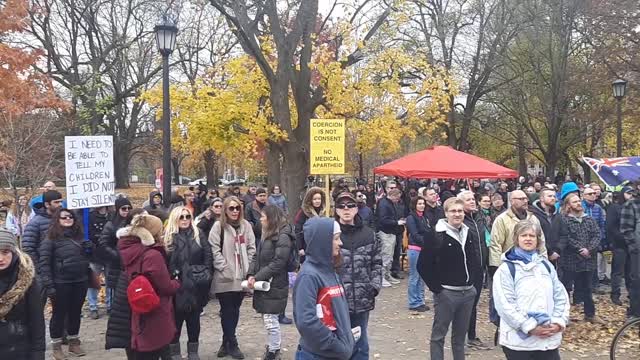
228	272
502	235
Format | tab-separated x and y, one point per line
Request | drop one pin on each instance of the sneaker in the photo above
595	320
397	275
477	344
385	283
605	281
393	281
75	348
94	315
421	308
202	313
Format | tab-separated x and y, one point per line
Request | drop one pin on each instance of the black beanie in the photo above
122	201
51	195
260	191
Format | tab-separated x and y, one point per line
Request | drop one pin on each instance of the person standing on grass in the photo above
360	269
579	241
64	265
449	266
271	266
532	302
420	234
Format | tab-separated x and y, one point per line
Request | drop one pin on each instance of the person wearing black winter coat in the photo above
22	332
190	256
621	264
361	269
37	227
421	233
64	269
98	217
271	266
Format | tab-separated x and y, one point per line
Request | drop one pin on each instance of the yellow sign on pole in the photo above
327	147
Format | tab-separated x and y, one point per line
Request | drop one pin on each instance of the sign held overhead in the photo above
327	146
89	171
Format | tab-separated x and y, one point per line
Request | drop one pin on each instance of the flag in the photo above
615	171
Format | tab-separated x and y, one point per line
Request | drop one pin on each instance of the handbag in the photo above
94	280
201	275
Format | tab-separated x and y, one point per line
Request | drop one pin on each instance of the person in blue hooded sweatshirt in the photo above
320	309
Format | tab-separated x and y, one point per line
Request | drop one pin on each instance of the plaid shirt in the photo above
579	233
629	216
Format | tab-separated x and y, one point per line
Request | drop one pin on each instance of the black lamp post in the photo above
166	32
619	90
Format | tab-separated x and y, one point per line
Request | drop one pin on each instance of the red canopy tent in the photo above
443	162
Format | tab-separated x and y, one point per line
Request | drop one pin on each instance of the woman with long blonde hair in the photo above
189	256
19	216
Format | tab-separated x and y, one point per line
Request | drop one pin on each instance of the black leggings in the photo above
162	353
67	308
230	312
193	325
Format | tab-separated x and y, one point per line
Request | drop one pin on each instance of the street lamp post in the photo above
619	89
166	32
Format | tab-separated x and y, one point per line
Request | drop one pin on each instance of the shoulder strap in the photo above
512	269
546	264
221	236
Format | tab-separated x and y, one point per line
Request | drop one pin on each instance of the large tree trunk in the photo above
296	166
360	166
522	153
274	168
551	162
121	164
211	168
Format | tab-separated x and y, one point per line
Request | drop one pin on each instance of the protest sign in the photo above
89	171
327	146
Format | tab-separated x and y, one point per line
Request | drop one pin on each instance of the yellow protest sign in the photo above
327	146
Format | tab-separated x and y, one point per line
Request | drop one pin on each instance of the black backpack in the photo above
293	263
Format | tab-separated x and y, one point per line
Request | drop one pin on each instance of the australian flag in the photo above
615	171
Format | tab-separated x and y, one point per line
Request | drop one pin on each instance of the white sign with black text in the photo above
89	171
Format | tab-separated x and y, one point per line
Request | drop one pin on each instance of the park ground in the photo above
394	332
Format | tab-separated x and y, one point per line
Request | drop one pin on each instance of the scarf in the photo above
241	256
420	213
524	255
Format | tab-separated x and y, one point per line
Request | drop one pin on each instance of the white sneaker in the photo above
385	283
393	281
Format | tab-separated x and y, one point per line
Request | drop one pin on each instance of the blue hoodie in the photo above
318	274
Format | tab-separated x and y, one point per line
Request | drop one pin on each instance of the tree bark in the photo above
274	168
296	166
121	157
360	166
175	162
211	168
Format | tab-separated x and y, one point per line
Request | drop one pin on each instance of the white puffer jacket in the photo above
532	289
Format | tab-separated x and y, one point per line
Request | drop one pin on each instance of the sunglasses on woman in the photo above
185	217
125	208
66	217
217	206
235	208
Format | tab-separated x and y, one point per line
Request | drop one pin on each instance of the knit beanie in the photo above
261	191
122	201
51	195
7	240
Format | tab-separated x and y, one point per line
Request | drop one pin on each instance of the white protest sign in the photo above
89	171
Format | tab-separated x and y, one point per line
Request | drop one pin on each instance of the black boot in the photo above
233	349
271	355
284	320
616	300
192	351
222	352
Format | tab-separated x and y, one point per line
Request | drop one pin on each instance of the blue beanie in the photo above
568	188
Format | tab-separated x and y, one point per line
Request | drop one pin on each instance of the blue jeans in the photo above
361	349
92	298
415	290
304	355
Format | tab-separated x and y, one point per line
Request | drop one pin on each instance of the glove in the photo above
175	274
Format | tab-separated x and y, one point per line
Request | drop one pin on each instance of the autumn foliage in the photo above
21	88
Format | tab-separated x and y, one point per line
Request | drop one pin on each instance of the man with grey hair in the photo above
390	224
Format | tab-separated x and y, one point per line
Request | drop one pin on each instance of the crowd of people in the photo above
534	247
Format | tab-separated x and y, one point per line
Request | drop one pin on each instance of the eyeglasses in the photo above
125	208
235	208
185	217
67	217
346	206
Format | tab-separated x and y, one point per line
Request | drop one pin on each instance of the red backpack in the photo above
142	296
